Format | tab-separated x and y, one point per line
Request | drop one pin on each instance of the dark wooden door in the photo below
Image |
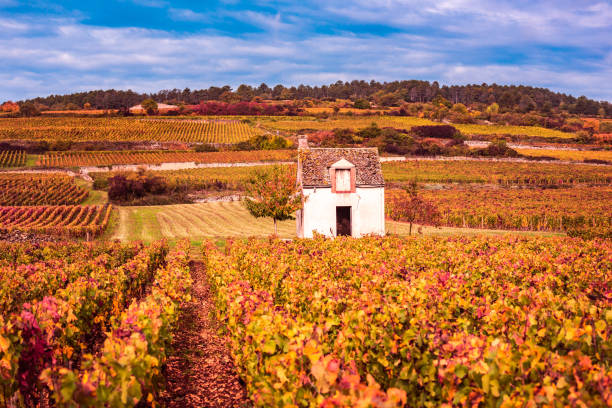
343	221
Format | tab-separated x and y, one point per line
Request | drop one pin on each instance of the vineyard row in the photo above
386	322
40	189
514	209
63	327
64	220
72	159
12	158
126	129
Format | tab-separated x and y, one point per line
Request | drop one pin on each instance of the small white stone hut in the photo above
344	191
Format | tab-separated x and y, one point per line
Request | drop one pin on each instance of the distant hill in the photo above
386	93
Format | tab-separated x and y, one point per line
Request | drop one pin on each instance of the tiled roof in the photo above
315	163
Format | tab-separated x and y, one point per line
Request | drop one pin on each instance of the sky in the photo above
51	47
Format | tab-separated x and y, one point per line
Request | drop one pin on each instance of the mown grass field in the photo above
194	221
230	219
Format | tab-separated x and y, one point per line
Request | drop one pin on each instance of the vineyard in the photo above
210	178
62	220
502	299
575	155
94	329
520	209
298	124
424	322
39	189
125	129
503	173
425	171
12	158
104	158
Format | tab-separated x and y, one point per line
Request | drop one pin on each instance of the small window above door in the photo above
342	174
343	180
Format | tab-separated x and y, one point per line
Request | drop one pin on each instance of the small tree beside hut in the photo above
273	194
407	206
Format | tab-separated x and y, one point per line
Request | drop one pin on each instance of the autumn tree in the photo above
526	104
273	194
9	106
29	109
150	106
493	109
408	206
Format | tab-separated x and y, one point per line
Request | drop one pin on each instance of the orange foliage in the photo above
9	106
605	137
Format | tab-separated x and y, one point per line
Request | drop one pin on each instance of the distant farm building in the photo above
344	192
161	107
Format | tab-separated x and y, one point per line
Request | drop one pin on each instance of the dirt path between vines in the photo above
201	373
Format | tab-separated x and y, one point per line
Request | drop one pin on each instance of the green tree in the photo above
440	101
387	98
150	106
370	132
460	108
229	97
583	136
273	194
245	92
361	104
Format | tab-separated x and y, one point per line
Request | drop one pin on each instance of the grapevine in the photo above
40	189
106	158
418	322
126	129
64	220
57	330
12	158
520	209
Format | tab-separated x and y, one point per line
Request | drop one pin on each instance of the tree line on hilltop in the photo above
383	94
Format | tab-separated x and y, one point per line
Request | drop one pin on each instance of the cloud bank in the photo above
147	45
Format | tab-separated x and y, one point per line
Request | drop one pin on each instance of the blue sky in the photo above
148	45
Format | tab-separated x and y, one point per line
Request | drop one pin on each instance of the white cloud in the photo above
73	57
266	21
502	22
8	25
151	3
186	15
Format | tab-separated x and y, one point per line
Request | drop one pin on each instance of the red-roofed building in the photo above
344	191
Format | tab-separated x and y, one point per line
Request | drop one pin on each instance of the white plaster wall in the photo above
367	205
371	211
